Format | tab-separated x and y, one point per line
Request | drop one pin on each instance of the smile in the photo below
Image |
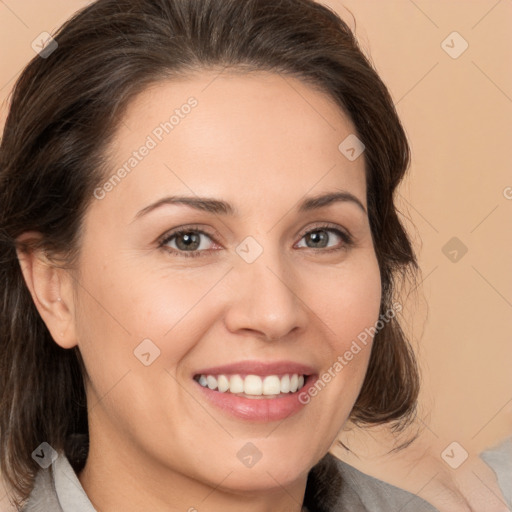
253	385
256	391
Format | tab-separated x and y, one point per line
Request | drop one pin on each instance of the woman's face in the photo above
245	297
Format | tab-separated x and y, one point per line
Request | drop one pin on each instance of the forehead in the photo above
232	134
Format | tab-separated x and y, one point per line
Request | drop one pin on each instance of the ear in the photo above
51	289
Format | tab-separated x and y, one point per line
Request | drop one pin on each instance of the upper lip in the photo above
258	368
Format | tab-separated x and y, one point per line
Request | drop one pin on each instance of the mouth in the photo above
253	386
256	391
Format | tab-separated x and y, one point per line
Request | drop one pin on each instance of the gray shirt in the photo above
57	489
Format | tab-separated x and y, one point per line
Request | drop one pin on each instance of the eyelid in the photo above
161	240
327	225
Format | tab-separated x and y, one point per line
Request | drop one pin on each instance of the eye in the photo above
320	236
186	242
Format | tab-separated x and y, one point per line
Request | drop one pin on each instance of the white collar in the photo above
70	493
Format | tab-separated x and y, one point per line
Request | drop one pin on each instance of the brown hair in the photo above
64	111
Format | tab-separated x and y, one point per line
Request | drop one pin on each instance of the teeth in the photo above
271	385
294	382
285	384
253	385
236	384
211	382
222	383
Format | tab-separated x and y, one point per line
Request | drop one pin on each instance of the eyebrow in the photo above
218	206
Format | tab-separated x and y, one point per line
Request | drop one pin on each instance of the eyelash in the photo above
346	237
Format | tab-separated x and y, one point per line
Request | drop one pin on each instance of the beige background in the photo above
458	116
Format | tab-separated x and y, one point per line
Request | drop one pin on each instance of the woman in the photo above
200	251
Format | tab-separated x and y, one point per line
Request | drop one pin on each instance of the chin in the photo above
265	477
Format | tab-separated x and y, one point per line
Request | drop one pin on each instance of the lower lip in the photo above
256	409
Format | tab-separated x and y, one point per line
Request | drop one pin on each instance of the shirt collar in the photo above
70	493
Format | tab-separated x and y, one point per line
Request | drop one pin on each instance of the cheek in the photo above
126	305
348	301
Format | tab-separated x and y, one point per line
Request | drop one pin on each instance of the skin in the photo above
261	142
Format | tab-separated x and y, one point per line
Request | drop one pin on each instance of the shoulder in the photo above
335	486
370	494
499	458
340	487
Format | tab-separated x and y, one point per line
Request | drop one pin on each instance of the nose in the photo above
266	300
